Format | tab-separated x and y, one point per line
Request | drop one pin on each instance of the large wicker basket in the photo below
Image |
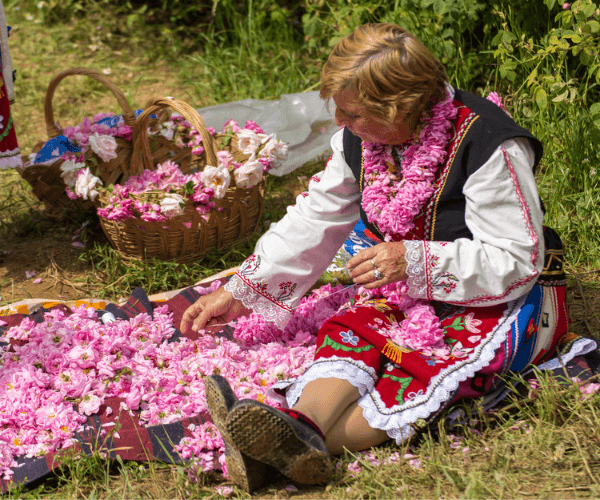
188	237
45	180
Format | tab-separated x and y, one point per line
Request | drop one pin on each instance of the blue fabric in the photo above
358	240
115	121
524	330
54	148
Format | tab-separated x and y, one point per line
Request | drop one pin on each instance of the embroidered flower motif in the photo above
413	395
471	323
459	351
446	281
349	338
250	265
287	289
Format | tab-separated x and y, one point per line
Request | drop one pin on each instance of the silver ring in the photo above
374	265
378	274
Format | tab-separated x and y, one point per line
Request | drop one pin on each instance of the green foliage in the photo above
561	68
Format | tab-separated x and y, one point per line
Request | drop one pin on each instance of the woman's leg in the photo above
324	400
332	404
352	432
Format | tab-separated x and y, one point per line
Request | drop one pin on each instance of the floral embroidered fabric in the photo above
399	385
261	304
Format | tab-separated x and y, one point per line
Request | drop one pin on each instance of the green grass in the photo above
546	447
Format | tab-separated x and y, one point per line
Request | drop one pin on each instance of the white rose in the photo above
69	169
248	141
276	151
216	178
105	146
249	174
167	130
172	205
264	137
85	185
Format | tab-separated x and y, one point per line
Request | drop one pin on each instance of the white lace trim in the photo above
10	159
579	347
415	268
259	304
360	375
396	420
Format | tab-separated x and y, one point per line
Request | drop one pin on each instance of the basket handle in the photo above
142	155
52	129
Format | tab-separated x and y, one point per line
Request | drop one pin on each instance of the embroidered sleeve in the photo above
291	256
505	256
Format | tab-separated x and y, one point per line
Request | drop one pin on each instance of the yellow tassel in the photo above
393	352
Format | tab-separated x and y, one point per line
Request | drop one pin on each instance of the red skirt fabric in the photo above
10	154
399	386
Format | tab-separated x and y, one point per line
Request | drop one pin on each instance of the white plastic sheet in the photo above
301	120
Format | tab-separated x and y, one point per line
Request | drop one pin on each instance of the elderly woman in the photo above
454	295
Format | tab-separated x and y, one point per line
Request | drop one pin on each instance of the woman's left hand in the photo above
379	265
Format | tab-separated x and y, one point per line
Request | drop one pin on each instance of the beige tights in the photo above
332	404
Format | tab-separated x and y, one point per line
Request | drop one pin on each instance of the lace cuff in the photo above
415	269
275	312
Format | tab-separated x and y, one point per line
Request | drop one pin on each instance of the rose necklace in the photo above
391	201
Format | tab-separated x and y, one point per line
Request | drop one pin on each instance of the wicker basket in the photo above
45	180
188	237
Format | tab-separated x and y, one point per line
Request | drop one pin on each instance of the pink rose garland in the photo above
392	202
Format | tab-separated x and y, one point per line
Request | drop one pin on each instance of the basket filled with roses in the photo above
173	214
102	144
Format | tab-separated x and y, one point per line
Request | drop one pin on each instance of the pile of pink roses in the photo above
64	368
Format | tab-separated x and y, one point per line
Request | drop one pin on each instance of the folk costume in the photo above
477	256
10	154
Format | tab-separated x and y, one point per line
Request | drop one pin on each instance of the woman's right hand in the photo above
211	311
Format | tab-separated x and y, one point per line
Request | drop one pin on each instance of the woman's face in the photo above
352	114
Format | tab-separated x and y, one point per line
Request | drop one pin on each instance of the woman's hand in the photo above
211	311
386	258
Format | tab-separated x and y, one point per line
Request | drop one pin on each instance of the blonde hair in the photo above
391	71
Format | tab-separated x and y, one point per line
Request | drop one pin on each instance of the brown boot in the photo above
245	472
295	448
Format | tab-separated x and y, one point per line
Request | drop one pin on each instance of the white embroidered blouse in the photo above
499	264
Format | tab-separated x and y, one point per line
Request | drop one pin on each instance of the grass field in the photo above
547	447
